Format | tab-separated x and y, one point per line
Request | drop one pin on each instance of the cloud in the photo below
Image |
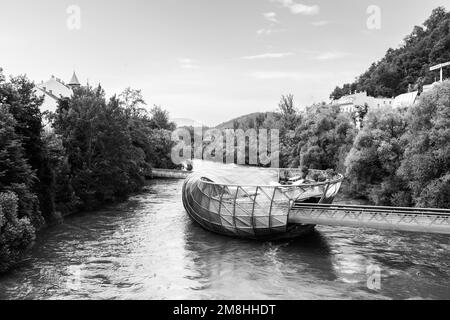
271	16
266	32
298	8
187	63
268	56
331	55
320	23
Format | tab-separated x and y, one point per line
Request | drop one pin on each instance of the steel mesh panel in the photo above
214	205
227	221
247	211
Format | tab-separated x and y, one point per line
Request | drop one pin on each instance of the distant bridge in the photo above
155	173
386	218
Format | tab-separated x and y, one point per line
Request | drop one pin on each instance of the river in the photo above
148	248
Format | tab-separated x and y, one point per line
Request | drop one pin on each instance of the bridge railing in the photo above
429	220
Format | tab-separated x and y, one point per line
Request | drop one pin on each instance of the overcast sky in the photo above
206	60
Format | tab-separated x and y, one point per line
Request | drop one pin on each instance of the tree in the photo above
323	136
17	175
376	154
104	163
133	102
160	119
63	194
24	104
17	234
426	164
19	212
337	93
288	112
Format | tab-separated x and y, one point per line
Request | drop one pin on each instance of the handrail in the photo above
317	184
376	209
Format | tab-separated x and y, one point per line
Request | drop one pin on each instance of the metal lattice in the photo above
250	211
387	218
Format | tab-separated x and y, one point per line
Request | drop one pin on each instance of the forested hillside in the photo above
250	121
407	66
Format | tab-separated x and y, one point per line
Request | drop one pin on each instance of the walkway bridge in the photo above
386	218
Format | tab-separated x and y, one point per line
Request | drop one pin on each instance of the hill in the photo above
408	66
253	120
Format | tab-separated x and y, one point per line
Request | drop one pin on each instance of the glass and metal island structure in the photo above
256	203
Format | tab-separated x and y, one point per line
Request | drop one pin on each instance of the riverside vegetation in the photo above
99	151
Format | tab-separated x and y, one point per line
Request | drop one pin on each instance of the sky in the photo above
206	60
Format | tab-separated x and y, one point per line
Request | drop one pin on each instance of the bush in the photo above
322	138
375	157
426	164
16	234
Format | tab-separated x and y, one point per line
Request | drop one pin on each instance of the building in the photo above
349	103
55	89
408	99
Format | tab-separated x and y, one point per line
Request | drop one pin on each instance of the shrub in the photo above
16	234
426	164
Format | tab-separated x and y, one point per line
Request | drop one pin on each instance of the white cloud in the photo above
266	32
298	8
187	63
320	23
269	56
271	16
331	55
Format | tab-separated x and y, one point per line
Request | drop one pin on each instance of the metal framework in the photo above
387	218
248	211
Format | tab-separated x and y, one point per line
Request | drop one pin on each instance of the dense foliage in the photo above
23	104
322	139
426	164
17	233
98	151
400	157
407	66
376	155
18	204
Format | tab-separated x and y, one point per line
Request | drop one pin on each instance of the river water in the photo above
148	248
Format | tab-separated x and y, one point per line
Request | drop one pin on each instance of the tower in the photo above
74	83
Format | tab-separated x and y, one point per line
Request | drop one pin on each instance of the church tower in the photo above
74	83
